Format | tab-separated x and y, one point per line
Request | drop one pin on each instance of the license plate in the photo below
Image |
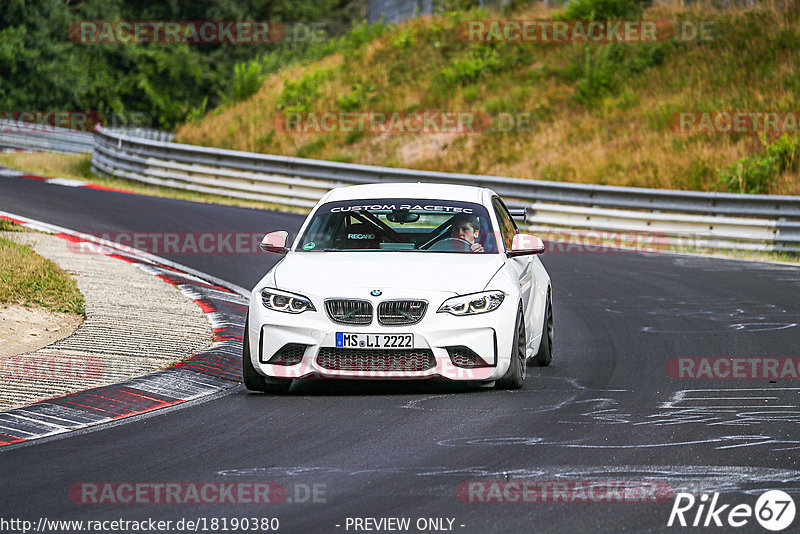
374	341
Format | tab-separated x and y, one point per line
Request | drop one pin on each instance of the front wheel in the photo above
515	376
254	381
545	354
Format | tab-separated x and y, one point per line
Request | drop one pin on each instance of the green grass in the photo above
31	280
8	226
757	173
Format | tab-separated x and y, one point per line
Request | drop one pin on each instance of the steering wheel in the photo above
452	244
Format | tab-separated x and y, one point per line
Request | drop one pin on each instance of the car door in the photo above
520	264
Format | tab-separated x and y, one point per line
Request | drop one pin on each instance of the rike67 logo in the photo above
774	510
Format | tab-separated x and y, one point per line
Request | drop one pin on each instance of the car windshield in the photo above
399	225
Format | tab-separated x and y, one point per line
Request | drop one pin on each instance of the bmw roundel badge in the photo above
376	292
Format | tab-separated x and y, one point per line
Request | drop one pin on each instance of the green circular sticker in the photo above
309	246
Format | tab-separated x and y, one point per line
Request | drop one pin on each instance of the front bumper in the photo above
440	341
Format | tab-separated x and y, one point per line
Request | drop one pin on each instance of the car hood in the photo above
325	272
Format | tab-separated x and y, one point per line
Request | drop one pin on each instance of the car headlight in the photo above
282	301
473	304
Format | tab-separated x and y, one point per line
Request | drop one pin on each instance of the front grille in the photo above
337	359
289	354
348	311
465	357
401	312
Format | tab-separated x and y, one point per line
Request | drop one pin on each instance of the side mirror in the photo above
275	242
525	244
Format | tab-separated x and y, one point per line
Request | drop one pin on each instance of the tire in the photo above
254	381
545	354
515	376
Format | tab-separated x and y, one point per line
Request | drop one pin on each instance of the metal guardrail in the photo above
713	220
29	136
145	133
208	170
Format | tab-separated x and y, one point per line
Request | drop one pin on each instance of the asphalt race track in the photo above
606	410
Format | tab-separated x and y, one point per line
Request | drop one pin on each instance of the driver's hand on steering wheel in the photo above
476	247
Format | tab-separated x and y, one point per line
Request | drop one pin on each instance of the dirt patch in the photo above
25	329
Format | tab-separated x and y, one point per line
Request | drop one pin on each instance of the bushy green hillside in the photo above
43	66
571	111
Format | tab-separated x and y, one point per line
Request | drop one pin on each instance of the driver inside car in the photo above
467	227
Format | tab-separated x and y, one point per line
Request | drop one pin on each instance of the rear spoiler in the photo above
520	214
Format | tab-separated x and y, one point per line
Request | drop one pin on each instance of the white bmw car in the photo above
401	281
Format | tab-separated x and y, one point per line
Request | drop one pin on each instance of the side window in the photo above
507	226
